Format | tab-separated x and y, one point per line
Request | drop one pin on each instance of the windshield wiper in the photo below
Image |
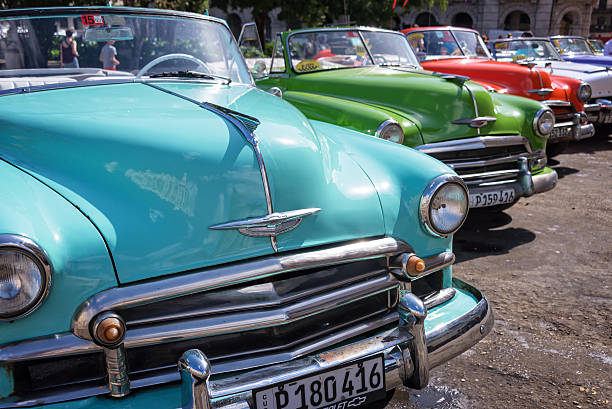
191	74
399	65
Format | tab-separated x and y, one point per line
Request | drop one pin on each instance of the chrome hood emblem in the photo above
270	225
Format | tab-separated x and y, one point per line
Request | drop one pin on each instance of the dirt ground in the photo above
545	266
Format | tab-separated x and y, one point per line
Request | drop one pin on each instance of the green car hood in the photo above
153	171
432	102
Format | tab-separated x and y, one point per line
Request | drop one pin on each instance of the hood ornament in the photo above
268	226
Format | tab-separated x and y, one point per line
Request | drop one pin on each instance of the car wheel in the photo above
383	402
603	131
554	149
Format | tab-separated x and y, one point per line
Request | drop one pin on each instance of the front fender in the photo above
400	175
78	255
354	115
522	111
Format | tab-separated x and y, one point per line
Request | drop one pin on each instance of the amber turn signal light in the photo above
414	266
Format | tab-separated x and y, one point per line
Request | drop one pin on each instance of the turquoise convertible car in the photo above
171	235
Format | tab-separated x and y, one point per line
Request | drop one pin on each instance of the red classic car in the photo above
462	51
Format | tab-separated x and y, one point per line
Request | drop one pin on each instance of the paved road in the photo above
545	265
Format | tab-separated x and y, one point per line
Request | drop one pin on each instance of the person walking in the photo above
68	51
108	56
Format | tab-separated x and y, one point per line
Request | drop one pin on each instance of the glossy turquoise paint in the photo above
76	250
400	180
153	171
460	304
305	171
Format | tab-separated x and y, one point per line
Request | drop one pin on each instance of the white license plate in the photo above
492	198
344	387
562	132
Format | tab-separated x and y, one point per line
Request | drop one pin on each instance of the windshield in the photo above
436	44
81	47
327	50
525	50
597	46
569	46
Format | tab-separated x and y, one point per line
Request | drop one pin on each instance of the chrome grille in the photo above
482	160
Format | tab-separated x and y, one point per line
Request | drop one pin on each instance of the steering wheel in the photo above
380	59
167	57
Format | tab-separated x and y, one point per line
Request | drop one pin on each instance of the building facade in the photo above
541	17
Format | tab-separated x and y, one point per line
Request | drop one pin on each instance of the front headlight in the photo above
25	276
391	131
544	122
584	92
444	205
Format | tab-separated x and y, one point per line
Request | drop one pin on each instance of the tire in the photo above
554	149
380	404
603	131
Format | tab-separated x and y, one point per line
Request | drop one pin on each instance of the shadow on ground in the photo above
487	233
590	145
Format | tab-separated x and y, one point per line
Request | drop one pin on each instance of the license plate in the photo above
344	387
492	198
562	132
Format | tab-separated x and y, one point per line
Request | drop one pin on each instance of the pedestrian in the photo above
608	47
485	38
108	56
68	51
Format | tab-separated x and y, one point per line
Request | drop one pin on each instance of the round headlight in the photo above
584	92
544	122
25	276
444	205
391	131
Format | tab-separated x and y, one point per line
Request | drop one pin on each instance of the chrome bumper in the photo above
585	131
409	353
545	182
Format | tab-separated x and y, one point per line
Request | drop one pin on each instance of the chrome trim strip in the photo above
439	297
246	321
495	161
474	143
463	85
207	279
541	91
592	107
477	122
425	204
248	135
46	347
30	247
557	103
270	225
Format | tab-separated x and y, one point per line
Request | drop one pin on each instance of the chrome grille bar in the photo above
204	280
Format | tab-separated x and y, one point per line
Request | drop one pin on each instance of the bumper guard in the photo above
409	353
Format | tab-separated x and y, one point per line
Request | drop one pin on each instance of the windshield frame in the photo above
42	12
452	30
572	53
359	30
539	40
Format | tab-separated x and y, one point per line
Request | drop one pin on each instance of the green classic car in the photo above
370	80
172	235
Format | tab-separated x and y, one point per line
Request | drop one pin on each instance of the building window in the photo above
462	20
517	21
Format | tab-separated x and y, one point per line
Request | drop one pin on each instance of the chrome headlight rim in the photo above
584	87
39	256
428	194
385	124
536	122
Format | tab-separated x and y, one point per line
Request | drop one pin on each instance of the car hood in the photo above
154	171
432	102
599	78
590	59
514	78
